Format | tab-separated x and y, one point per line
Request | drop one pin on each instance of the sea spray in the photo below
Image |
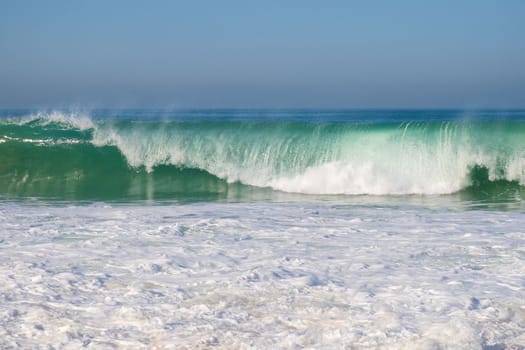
72	155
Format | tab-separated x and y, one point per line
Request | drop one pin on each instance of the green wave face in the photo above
70	157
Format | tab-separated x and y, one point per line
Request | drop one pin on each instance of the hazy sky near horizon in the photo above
266	54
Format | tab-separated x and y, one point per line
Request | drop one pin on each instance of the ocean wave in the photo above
76	120
311	158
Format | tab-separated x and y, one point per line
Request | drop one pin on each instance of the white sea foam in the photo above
260	276
78	120
350	162
367	177
413	159
391	169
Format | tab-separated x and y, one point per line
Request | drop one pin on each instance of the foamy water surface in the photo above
228	275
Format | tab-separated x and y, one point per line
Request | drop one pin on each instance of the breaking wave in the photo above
75	156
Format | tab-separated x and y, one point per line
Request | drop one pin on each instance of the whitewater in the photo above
229	229
317	154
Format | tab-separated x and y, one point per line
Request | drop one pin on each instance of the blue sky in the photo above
265	54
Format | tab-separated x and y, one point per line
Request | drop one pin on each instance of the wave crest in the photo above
355	159
76	120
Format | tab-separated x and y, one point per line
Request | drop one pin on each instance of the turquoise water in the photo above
262	229
263	155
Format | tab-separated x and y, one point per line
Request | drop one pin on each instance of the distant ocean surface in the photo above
262	229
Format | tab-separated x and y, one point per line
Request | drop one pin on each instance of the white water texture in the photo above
260	276
377	159
410	158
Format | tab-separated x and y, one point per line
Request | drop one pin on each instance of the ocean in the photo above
257	229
